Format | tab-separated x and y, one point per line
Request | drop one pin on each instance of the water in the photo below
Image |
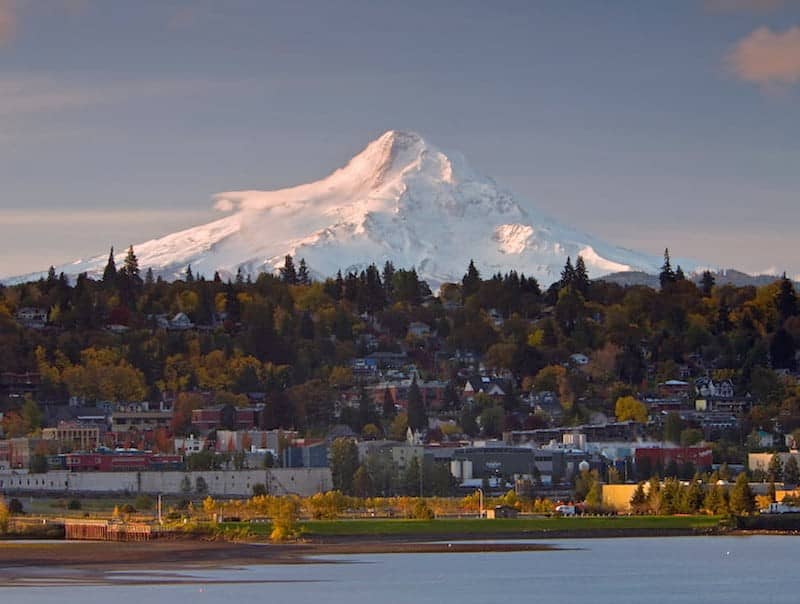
728	570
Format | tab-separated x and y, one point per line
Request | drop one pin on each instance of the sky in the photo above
650	124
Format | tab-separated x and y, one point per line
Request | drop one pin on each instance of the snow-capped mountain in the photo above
400	199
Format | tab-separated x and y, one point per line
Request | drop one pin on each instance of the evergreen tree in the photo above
742	500
110	271
667	275
387	408
189	274
786	298
416	408
303	278
288	272
791	471
131	267
639	500
707	283
692	497
567	274
581	276
471	281
679	276
775	469
344	463
782	350
364	408
388	276
149	279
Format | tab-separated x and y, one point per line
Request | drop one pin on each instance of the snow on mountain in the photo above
400	199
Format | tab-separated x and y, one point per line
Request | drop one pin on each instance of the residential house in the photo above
32	318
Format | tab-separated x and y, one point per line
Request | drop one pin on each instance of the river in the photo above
728	570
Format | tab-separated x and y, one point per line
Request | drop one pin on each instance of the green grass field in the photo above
475	526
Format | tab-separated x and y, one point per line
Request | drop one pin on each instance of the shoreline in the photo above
100	562
182	551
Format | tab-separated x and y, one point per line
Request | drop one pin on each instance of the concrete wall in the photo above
618	496
279	481
760	461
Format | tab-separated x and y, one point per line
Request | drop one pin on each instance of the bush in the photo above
15	506
127	509
74	504
422	511
144	502
259	490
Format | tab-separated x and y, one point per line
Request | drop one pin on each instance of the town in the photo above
370	385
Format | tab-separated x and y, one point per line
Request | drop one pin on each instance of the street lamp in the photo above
480	492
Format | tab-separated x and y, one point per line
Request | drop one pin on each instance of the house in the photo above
138	417
180	322
224	416
33	318
502	511
673	388
706	387
190	444
496	317
417	329
579	359
493	387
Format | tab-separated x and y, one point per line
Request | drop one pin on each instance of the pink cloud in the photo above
8	20
768	58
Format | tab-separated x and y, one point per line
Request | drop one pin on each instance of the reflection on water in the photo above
597	571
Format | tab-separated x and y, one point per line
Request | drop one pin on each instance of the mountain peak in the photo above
400	199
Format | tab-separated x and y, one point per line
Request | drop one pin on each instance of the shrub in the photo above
422	511
15	506
144	502
74	504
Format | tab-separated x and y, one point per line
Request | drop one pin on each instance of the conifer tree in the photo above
388	404
189	274
471	281
791	471
581	276
149	279
416	408
110	271
786	298
288	272
131	267
742	500
679	276
567	274
707	283
387	277
667	275
303	278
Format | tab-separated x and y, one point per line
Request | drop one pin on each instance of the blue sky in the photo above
650	124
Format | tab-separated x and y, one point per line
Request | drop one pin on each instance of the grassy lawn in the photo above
475	526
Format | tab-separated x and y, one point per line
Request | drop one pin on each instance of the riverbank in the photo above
328	538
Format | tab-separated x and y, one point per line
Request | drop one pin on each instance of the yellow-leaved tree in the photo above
628	408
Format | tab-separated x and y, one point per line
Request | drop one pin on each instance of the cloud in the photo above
735	6
768	58
8	20
32	94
